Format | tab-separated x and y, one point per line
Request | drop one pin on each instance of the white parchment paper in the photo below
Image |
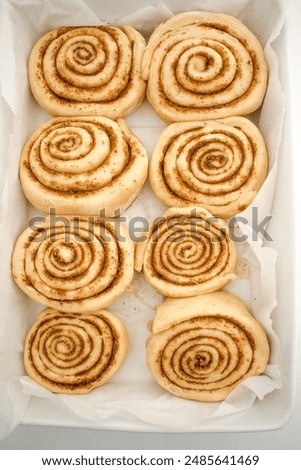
132	394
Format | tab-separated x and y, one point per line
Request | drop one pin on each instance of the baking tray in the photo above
276	408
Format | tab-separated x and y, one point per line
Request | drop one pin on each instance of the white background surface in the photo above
289	437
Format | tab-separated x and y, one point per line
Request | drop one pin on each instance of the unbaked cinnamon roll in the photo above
83	165
88	70
201	348
186	252
74	264
202	65
219	165
74	352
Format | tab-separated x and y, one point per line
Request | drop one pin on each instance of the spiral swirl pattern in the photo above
82	166
88	70
74	353
74	264
202	65
210	346
219	165
187	252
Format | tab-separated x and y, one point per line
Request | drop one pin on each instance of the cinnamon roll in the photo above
202	348
88	70
219	165
202	65
186	252
74	352
74	264
83	165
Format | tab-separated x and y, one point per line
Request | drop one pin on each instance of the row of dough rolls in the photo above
210	70
204	340
197	65
76	266
200	348
82	165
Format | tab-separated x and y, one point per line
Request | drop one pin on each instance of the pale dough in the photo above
219	165
201	348
202	65
88	70
74	352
